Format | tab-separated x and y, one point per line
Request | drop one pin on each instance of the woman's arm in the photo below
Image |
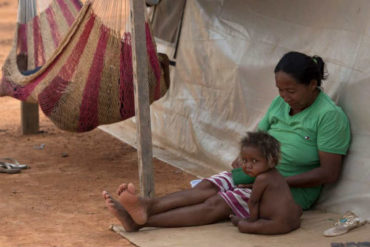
328	172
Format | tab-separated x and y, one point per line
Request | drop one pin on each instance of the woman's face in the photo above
298	96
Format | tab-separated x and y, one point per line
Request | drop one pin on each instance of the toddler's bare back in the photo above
277	202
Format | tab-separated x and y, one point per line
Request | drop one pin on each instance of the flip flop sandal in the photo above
348	222
5	168
13	163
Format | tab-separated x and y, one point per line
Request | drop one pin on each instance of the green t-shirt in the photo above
323	126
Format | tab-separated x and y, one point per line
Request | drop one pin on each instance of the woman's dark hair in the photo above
303	68
267	145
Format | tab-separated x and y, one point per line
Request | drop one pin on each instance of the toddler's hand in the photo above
236	163
234	219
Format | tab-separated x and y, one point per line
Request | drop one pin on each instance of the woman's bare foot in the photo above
120	213
134	205
121	188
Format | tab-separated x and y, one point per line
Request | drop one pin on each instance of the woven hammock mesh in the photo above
76	62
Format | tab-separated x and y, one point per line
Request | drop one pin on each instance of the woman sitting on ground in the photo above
314	134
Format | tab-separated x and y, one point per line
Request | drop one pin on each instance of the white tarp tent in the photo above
223	83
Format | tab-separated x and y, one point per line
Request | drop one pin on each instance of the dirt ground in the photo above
58	203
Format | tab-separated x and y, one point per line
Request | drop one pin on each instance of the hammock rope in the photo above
88	80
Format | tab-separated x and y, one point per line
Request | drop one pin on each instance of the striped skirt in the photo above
236	198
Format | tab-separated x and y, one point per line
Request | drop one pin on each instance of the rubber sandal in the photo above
5	168
348	222
13	163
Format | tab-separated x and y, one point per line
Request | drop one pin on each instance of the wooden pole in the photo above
141	88
29	111
29	118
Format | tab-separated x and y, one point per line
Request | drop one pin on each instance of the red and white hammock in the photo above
87	80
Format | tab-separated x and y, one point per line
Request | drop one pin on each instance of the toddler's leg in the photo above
263	226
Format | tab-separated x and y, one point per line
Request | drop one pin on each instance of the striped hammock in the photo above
87	80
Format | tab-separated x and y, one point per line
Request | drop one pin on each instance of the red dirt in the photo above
58	201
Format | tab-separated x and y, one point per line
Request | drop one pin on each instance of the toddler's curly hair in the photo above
268	146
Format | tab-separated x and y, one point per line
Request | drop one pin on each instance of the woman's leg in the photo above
202	191
212	210
120	213
141	209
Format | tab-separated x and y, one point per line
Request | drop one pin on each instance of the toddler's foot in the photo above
133	204
234	219
119	212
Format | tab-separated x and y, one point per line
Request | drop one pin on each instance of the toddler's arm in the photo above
257	192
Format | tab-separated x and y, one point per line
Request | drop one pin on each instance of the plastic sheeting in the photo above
167	18
224	83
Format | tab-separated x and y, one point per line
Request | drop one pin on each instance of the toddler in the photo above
272	209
